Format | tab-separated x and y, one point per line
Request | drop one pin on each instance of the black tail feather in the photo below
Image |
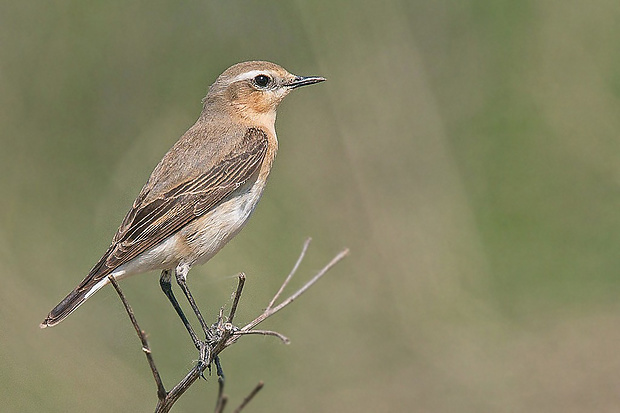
68	305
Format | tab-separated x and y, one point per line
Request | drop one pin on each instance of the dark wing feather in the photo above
146	225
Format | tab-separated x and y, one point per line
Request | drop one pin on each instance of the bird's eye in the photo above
262	80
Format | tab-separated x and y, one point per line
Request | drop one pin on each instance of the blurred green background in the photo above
465	151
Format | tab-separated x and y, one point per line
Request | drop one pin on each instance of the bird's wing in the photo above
148	224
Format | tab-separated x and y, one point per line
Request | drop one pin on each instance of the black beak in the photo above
305	80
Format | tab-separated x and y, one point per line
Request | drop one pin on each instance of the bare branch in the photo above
293	271
282	337
223	334
310	283
221	404
271	311
161	390
250	396
233	309
164	405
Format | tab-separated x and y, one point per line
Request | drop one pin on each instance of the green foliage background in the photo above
466	151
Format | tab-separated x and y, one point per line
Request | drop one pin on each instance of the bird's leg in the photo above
181	275
164	282
218	367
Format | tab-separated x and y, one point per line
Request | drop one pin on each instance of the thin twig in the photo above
310	283
221	404
161	390
250	396
290	275
269	312
164	405
282	337
233	309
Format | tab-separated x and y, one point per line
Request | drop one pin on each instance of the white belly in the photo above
209	233
201	239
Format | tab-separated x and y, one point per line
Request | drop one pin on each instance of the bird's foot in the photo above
204	357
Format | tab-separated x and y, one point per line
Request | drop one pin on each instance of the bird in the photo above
202	192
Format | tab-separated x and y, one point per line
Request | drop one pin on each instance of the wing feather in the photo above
148	224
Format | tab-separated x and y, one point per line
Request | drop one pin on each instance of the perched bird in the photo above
204	189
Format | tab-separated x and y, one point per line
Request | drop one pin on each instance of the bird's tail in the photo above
71	302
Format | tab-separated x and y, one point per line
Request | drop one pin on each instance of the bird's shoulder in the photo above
198	153
203	147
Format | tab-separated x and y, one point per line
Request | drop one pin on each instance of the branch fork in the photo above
221	335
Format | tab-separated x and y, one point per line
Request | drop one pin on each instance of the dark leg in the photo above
181	275
218	367
221	399
164	282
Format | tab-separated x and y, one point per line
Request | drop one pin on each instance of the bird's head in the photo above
253	90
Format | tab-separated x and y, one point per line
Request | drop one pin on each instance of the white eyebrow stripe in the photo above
251	74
